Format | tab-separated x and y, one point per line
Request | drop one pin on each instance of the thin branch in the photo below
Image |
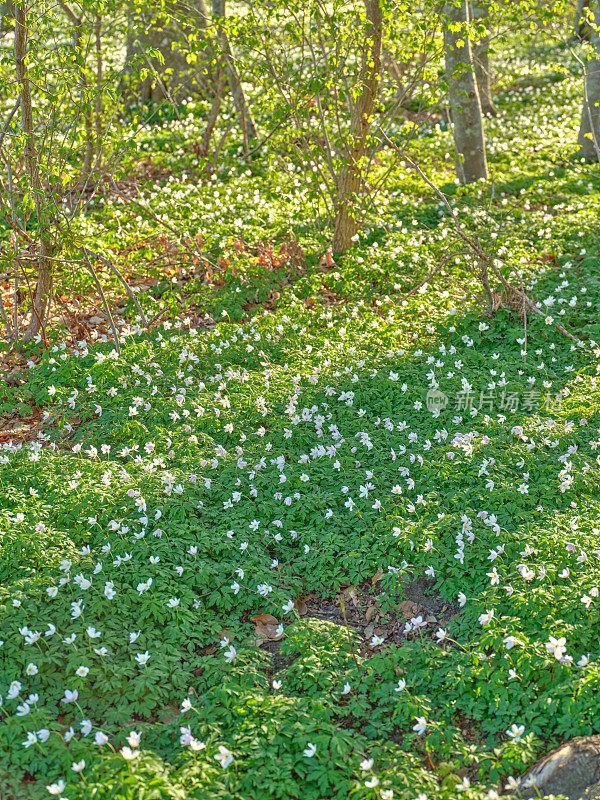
268	136
104	301
5	320
70	14
430	276
90	253
8	121
475	245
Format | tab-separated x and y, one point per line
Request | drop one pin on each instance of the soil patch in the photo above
419	611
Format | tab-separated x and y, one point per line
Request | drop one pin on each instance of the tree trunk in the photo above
90	144
213	114
579	25
160	29
349	178
99	79
6	13
397	71
465	106
589	129
46	248
481	59
235	84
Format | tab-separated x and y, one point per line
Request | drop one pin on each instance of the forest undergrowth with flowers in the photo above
293	431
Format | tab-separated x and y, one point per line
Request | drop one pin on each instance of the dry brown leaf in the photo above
327	260
377	577
226	634
369	613
349	593
266	626
369	631
268	633
408	609
301	606
265	619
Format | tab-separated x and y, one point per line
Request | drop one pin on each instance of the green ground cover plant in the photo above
272	437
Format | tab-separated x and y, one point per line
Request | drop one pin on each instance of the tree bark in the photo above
6	13
579	25
158	29
349	178
213	114
465	106
397	72
235	84
589	129
47	248
90	144
481	59
99	79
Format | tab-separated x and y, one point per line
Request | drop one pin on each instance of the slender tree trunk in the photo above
90	141
579	26
589	129
203	17
235	84
99	79
90	144
46	249
349	179
481	59
213	114
465	106
162	26
6	13
397	72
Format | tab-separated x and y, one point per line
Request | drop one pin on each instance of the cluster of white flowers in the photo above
371	463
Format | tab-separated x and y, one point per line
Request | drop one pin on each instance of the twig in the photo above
268	136
350	642
475	245
8	121
430	276
104	301
90	253
5	319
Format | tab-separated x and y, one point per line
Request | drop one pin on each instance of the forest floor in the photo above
248	557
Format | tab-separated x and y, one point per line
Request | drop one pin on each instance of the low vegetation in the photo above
325	527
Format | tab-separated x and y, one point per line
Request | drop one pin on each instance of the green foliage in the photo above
275	445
